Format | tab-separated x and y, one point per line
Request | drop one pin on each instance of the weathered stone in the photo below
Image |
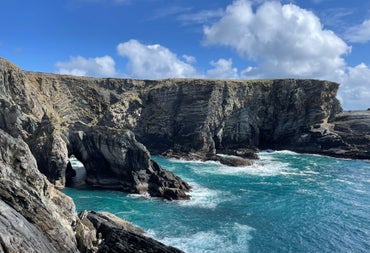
114	159
19	235
118	235
48	212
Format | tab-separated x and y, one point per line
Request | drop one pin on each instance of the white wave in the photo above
232	238
202	197
282	152
269	168
76	164
144	195
264	167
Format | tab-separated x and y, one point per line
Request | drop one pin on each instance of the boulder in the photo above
117	235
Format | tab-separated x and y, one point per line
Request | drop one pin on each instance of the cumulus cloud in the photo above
359	33
189	58
354	92
223	69
153	61
285	40
81	66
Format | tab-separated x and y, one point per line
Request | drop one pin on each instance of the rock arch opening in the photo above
75	173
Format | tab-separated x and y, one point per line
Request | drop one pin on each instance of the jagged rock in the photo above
114	159
354	128
46	212
19	235
118	235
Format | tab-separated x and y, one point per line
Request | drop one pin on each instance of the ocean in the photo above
285	202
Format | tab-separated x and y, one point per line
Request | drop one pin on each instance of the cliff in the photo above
194	118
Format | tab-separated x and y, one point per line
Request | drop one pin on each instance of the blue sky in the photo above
230	39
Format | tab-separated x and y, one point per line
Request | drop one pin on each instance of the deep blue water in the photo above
286	202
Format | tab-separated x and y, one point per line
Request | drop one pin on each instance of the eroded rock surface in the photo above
26	197
117	235
115	160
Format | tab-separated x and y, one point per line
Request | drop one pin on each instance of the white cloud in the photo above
285	40
359	33
189	58
223	69
201	17
153	61
80	66
354	91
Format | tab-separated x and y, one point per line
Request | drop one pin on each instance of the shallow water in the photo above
286	202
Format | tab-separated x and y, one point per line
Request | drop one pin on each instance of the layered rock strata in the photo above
116	235
34	216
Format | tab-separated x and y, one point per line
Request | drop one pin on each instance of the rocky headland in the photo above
111	125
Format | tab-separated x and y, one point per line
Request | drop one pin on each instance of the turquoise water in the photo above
286	202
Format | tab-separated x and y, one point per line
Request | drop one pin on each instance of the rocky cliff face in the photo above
207	115
34	216
58	116
186	117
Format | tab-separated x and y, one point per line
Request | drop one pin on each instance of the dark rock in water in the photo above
27	198
114	159
234	161
117	235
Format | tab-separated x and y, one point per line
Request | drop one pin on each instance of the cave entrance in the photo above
76	173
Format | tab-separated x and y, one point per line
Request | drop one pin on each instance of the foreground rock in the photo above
117	235
34	216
